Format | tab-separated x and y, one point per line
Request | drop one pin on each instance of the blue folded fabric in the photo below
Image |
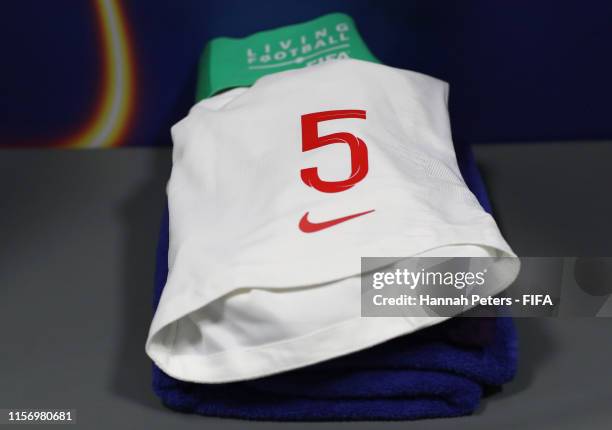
441	371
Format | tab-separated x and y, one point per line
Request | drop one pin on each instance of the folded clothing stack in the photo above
255	316
441	371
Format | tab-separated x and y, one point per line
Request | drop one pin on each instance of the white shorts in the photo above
276	193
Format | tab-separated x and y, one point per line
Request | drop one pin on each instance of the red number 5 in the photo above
312	140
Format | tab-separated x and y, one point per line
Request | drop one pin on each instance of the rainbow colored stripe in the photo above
108	125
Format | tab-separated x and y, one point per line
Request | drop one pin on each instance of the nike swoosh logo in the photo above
311	227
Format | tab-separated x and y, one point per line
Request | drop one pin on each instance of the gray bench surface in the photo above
78	231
